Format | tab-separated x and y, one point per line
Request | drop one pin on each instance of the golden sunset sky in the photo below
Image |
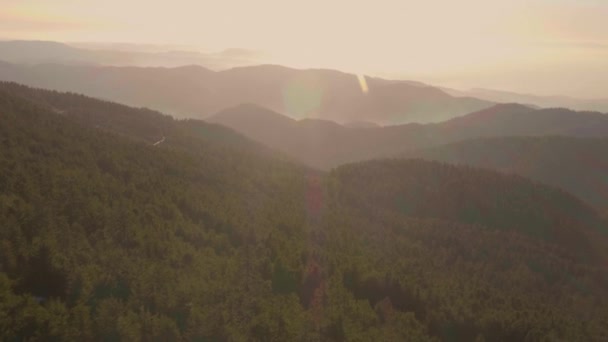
534	46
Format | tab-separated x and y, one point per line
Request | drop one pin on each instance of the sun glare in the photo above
363	83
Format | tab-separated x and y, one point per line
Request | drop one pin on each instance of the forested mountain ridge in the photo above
515	119
325	145
430	260
578	165
106	236
197	92
421	189
575	160
139	124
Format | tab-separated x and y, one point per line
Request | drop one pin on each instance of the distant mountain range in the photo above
578	165
326	144
499	96
194	91
44	52
314	93
553	146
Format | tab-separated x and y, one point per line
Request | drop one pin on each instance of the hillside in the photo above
471	242
107	236
140	124
514	119
575	164
197	92
326	145
473	196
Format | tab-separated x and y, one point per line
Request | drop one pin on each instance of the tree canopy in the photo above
210	237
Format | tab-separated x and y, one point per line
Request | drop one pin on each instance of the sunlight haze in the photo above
319	170
464	44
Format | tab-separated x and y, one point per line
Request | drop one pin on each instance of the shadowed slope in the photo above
577	165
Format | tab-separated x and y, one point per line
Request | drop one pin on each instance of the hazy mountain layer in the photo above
42	52
325	144
600	105
197	92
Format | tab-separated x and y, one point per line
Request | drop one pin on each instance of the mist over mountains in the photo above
326	144
148	195
296	93
554	146
48	52
197	92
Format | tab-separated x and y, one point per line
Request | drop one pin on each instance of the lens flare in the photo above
363	83
302	97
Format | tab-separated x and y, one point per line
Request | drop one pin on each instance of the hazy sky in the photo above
538	46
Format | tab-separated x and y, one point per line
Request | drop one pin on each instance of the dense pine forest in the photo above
578	165
119	223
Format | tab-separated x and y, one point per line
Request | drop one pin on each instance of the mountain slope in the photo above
473	196
328	145
142	124
574	164
197	92
408	225
513	119
106	236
